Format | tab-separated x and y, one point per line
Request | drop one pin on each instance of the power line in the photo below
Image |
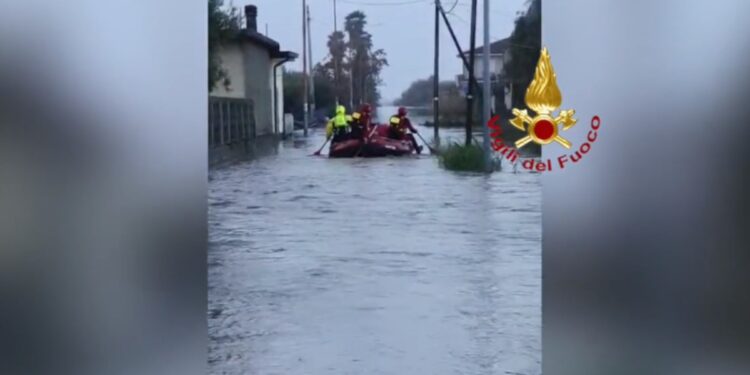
453	7
385	4
458	18
495	12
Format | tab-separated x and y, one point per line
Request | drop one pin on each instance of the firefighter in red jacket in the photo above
361	121
400	128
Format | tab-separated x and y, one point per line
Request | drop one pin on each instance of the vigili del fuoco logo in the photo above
544	98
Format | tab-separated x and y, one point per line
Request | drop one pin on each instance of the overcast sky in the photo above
403	28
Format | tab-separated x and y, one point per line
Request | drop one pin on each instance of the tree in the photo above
352	63
357	47
526	43
325	98
419	94
364	63
223	24
293	89
332	68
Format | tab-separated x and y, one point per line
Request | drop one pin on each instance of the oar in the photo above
316	153
365	140
432	150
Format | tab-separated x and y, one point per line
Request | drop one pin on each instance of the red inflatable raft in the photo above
378	145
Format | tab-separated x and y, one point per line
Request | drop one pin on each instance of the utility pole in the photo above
436	76
363	100
304	64
310	64
487	94
458	45
470	93
351	82
336	74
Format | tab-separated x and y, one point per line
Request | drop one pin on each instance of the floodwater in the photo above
372	266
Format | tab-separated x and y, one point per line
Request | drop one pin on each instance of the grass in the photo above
459	157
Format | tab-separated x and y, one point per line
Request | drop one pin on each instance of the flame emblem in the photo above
544	97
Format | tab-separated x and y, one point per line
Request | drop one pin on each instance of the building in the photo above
499	55
253	103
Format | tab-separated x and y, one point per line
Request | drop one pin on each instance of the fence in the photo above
230	121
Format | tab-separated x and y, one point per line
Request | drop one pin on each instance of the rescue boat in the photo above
378	145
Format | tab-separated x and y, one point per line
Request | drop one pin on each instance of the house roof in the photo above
269	44
497	47
289	55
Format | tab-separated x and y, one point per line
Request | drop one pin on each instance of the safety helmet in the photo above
401	111
340	110
348	118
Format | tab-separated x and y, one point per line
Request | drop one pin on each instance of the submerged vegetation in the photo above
459	157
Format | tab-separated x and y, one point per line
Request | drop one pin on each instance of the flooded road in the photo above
372	266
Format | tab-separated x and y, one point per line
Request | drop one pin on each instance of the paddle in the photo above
365	140
432	150
317	153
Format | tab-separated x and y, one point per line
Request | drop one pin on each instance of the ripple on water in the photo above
372	266
299	198
220	203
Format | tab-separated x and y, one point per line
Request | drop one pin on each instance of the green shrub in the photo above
458	157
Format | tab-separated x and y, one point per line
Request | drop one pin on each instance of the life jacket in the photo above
395	123
340	121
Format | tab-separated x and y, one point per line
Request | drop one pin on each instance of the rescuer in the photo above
361	122
400	128
338	126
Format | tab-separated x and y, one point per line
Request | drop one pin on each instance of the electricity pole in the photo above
304	64
470	93
335	62
486	78
351	82
310	64
458	45
436	75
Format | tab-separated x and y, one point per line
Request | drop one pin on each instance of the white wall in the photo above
251	72
496	66
258	86
279	97
232	62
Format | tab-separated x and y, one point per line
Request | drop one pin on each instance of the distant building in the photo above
253	103
499	56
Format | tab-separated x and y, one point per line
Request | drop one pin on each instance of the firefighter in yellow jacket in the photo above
338	126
